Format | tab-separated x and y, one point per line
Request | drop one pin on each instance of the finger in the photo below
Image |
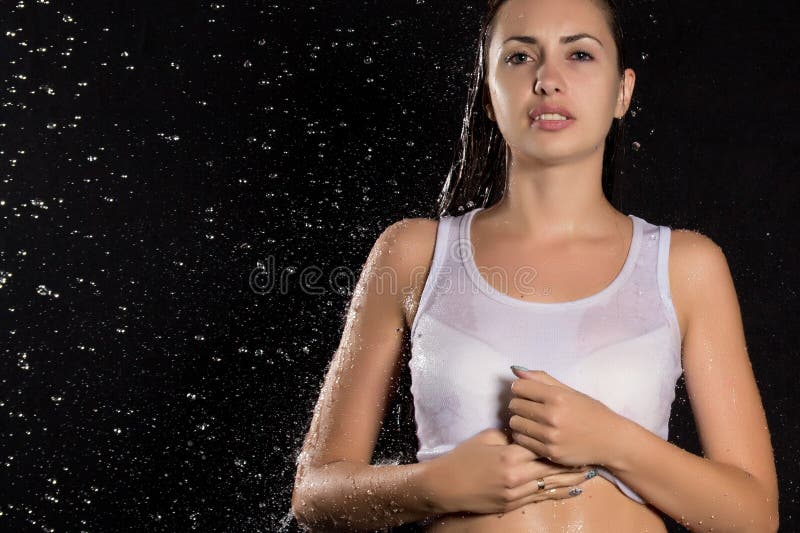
530	443
528	409
532	428
568	480
553	476
531	486
538	375
560	493
531	389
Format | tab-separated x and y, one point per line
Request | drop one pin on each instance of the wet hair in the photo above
478	174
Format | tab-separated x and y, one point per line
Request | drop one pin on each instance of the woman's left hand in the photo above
560	423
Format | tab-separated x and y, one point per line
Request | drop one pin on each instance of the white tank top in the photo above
621	346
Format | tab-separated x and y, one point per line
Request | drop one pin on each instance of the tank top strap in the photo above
665	234
444	237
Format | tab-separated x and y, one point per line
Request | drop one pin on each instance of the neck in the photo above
548	202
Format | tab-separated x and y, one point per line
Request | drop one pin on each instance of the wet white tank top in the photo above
621	346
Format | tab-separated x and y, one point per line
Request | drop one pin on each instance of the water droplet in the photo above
42	290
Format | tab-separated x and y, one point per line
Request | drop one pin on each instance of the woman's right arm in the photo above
336	486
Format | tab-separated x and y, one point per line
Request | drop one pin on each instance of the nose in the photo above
547	81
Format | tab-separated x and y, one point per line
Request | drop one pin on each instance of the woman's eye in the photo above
583	56
516	54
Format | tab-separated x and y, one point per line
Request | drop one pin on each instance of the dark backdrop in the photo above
163	161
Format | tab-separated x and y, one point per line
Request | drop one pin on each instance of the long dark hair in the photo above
477	176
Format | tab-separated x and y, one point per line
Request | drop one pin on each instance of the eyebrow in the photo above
564	40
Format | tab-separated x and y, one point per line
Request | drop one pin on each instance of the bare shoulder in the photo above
407	243
410	234
408	246
696	264
694	253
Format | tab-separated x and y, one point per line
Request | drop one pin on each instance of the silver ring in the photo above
540	483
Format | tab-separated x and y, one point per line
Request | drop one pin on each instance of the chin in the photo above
555	150
552	156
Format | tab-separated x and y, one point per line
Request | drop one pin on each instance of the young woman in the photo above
541	271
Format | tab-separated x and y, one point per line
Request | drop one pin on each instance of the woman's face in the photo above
560	53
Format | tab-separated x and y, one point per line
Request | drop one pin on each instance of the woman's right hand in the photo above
488	473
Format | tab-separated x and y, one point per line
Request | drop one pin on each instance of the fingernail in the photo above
591	473
575	491
518	367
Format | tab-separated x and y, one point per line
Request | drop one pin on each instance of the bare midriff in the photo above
602	508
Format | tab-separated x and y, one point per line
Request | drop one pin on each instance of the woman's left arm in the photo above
734	487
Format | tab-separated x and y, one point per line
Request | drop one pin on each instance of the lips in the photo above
545	109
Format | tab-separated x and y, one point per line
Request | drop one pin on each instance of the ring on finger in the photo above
540	483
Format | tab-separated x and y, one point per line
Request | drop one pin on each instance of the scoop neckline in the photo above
484	286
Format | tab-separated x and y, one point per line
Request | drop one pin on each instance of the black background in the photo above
155	155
